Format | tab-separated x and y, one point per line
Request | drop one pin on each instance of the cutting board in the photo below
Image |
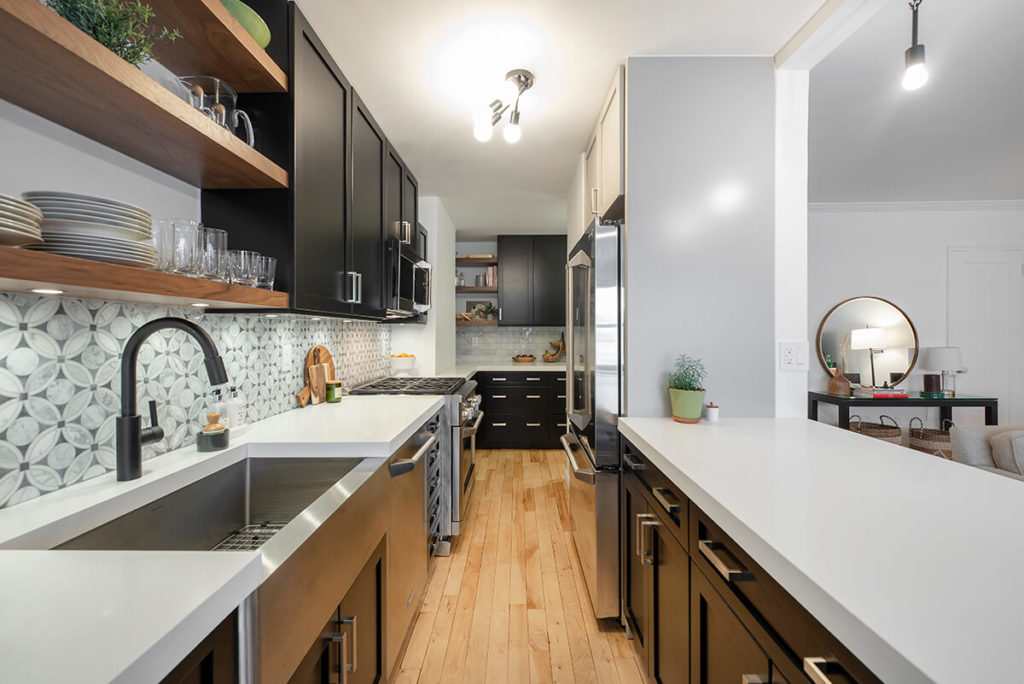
319	368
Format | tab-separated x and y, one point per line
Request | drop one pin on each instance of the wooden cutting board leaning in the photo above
319	368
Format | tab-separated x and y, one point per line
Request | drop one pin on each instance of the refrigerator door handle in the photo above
580	261
588	475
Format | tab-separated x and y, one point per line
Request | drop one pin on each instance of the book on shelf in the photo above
880	393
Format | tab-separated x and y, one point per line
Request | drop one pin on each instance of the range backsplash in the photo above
500	344
60	375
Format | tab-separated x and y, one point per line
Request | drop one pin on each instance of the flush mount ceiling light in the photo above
517	82
916	73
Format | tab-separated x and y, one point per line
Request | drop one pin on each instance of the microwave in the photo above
407	276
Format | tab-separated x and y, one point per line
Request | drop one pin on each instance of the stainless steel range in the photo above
450	485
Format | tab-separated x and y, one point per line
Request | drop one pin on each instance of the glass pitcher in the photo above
217	99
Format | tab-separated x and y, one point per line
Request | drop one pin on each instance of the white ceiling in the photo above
961	137
422	67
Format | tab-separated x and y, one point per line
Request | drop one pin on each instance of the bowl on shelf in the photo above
524	358
251	21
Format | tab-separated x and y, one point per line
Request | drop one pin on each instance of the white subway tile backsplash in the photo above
499	344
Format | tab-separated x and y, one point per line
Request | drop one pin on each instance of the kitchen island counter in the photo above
906	558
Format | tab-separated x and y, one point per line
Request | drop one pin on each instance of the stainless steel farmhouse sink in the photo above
237	508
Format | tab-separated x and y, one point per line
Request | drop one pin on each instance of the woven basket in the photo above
887	433
930	441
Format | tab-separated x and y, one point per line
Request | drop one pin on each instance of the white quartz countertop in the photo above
132	615
910	561
467	369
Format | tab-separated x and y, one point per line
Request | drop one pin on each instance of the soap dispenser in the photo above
236	410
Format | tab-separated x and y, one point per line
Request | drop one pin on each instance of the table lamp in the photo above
949	361
870	339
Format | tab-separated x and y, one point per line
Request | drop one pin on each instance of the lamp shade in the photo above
942	359
867	338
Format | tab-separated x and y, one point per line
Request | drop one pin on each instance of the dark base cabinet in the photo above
350	648
522	409
214	660
699	609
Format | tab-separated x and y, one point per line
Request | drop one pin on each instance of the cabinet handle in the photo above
533	425
561	396
499	396
499	424
647	557
593	201
632	463
498	379
819	669
532	379
753	679
709	549
341	639
533	396
640	517
499	313
662	494
359	282
351	620
405	233
351	296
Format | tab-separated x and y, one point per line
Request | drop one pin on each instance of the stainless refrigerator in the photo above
594	356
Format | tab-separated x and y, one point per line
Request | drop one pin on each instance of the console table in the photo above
945	405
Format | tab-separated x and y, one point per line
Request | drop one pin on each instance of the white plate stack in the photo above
19	222
95	228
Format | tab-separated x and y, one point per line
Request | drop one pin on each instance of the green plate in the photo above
250	21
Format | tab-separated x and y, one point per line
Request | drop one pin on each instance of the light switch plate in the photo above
793	356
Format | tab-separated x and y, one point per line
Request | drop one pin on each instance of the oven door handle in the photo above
470	430
406	465
588	475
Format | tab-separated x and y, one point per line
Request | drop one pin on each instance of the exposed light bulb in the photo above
915	76
512	133
483	131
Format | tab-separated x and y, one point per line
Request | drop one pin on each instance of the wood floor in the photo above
510	604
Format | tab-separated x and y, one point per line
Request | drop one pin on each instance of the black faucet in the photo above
130	433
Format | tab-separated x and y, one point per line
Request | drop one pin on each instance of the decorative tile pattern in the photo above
500	344
60	378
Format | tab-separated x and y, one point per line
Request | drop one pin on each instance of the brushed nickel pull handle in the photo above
533	396
647	557
351	620
532	379
498	379
819	669
709	549
632	463
499	424
662	494
640	517
593	201
499	396
561	396
533	425
339	638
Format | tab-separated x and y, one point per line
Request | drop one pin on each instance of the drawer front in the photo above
505	400
664	495
747	587
558	380
517	378
556	399
558	425
514	431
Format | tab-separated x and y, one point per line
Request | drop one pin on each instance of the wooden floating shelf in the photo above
464	261
473	324
469	289
214	43
53	69
23	270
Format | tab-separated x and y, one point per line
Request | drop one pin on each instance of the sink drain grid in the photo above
250	537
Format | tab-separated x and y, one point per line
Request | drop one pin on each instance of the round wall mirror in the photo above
871	339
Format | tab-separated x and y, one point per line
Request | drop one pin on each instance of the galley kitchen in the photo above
347	342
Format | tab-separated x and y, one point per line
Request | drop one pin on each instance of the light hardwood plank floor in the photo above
510	603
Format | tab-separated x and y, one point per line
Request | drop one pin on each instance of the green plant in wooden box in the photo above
122	27
686	389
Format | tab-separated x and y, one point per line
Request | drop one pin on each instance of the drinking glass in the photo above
187	247
214	248
244	266
265	272
163	240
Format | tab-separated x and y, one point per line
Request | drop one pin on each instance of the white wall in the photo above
700	216
40	155
575	205
433	343
898	252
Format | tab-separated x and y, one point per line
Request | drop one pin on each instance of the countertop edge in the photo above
878	655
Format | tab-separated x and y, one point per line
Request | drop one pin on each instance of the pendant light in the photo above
915	74
485	118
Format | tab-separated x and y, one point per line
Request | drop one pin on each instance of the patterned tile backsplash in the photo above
60	375
500	344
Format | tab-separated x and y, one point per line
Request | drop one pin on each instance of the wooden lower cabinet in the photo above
722	649
213	661
350	647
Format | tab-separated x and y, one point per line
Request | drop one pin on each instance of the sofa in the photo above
996	449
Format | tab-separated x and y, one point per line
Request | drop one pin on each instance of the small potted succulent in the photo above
686	389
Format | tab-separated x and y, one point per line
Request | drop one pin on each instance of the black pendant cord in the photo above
914	4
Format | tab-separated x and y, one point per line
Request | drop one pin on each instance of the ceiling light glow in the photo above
915	72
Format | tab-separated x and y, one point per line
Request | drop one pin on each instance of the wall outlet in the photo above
793	356
474	341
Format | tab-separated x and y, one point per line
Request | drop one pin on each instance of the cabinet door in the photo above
670	582
366	231
611	132
394	175
321	663
322	100
213	661
592	180
636	589
360	618
722	649
549	280
515	281
410	200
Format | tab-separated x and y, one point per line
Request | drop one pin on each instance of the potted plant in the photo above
122	26
686	389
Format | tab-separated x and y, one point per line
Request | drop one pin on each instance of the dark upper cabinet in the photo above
320	180
410	208
394	178
366	230
531	280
